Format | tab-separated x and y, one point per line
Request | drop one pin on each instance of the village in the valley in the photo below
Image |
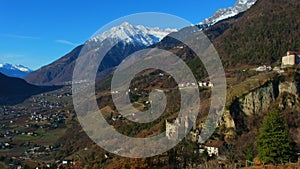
29	132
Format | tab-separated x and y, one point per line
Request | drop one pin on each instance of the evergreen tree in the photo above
273	142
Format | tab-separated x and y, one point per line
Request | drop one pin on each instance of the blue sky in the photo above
36	32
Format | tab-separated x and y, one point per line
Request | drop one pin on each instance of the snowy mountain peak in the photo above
139	35
124	24
221	14
15	67
243	5
14	70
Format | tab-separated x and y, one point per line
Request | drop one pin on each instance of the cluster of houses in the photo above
133	91
264	68
52	117
212	147
46	121
193	84
11	112
61	164
41	102
291	59
47	104
39	150
10	134
205	84
20	122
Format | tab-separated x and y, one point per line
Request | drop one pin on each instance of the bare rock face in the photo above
228	120
289	87
289	98
243	110
229	124
258	100
236	120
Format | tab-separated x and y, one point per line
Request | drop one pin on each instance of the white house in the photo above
210	84
263	68
213	147
212	151
290	59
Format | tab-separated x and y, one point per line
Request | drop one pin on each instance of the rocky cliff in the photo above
258	100
248	109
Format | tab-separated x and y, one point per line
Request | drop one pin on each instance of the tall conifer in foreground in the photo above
273	142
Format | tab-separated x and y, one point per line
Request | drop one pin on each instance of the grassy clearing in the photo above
25	137
45	137
51	136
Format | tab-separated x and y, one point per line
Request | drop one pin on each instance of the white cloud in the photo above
21	36
66	42
12	55
13	58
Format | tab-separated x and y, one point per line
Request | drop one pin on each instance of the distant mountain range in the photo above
131	38
13	70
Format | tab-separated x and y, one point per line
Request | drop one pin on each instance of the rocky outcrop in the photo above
258	101
255	102
288	92
289	87
243	110
228	120
229	124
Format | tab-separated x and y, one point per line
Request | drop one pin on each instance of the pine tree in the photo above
273	142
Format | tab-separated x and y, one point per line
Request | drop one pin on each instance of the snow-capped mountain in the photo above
132	38
138	35
14	70
221	14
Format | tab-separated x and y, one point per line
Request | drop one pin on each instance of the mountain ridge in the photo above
129	33
14	90
225	13
129	39
262	35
